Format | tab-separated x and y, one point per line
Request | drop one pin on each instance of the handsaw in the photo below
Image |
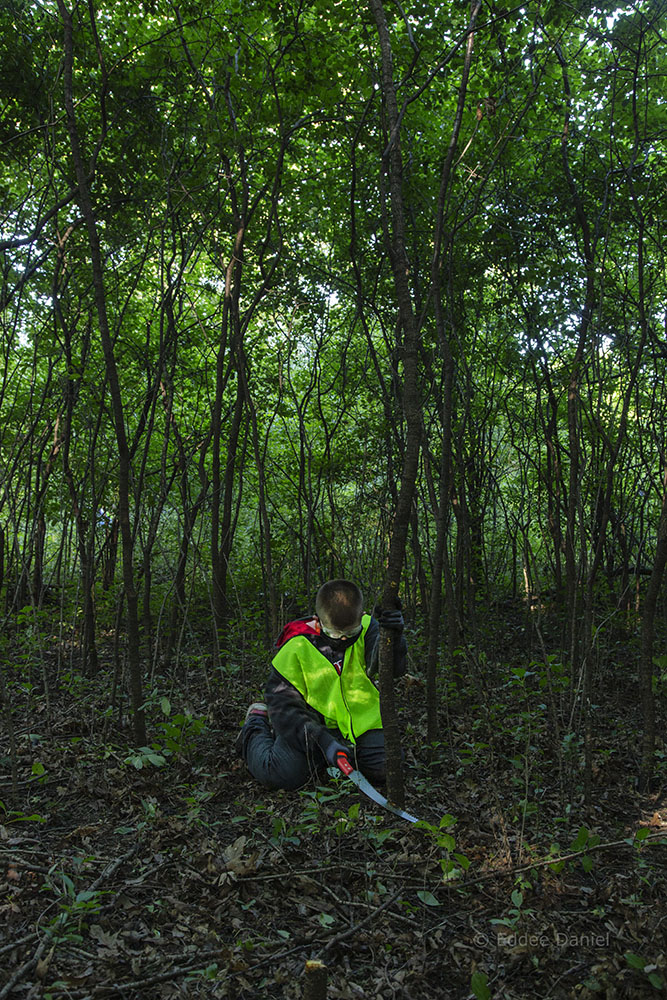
344	765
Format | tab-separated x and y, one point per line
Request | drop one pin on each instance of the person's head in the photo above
339	606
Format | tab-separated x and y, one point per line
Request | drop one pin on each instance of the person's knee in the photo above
370	754
376	773
287	772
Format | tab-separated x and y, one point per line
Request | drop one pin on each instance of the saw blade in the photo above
365	786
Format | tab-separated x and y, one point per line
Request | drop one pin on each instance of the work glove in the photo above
391	618
336	754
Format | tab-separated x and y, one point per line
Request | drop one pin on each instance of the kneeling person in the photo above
319	697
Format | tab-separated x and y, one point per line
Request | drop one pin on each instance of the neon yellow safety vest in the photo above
350	701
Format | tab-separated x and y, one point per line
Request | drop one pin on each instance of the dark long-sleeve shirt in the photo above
291	715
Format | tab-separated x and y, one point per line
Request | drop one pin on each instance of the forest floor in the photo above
181	877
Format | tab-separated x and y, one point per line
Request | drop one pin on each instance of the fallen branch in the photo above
113	867
27	967
344	935
545	862
20	941
465	882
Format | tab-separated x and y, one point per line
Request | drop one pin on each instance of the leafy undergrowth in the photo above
167	872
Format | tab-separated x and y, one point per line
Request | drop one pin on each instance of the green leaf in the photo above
634	961
642	833
517	898
428	898
479	985
450	871
580	840
20	818
68	885
587	862
165	705
85	895
656	980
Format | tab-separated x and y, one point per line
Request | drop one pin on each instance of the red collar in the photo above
303	626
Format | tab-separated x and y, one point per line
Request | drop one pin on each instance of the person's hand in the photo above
333	750
391	618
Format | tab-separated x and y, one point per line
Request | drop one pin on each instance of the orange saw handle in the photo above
343	762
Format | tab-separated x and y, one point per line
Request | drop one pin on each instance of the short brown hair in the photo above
341	602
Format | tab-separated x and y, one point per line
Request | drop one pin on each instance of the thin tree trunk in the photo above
440	563
6	712
265	523
134	656
411	406
223	486
646	650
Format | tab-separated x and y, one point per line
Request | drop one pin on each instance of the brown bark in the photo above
575	568
315	981
6	713
222	520
444	499
411	403
87	210
646	650
264	520
85	532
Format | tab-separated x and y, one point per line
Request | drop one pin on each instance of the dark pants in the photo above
275	763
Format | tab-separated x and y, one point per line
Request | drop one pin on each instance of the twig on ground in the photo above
362	923
557	859
18	943
113	867
24	969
